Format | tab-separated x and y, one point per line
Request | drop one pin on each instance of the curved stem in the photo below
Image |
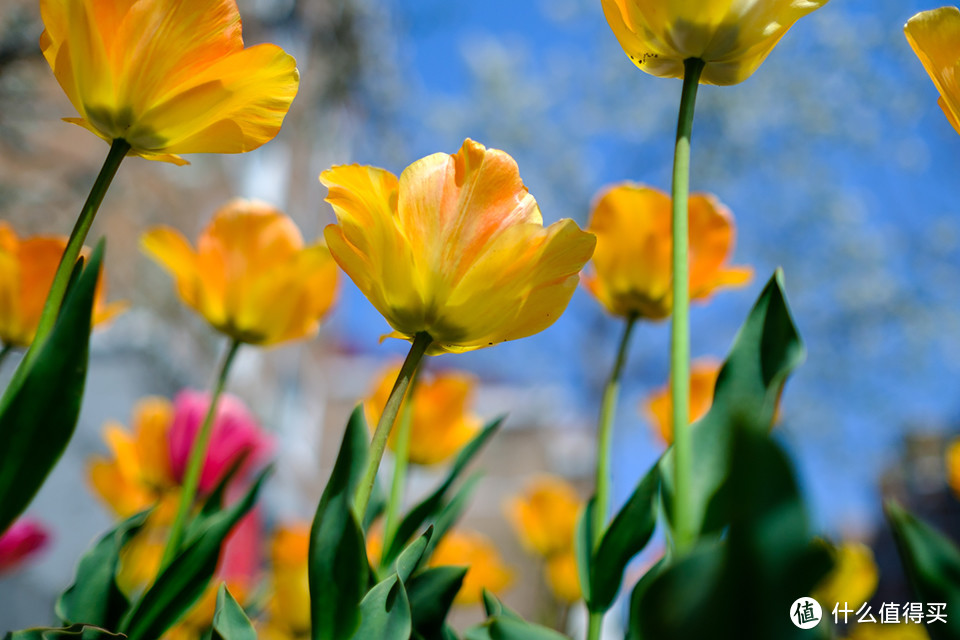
198	455
58	290
608	410
684	534
401	460
419	347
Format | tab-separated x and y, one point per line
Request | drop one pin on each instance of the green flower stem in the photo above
684	534
58	290
401	460
419	347
198	455
608	410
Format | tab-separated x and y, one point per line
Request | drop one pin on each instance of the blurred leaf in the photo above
214	501
767	560
583	548
431	593
94	597
73	632
494	607
229	620
626	536
452	511
433	503
385	612
765	351
513	629
932	562
40	407
338	567
636	596
181	584
448	633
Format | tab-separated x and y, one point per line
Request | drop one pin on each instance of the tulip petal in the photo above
935	38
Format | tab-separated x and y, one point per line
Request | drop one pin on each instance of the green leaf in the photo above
433	503
385	612
452	511
767	559
229	620
513	629
626	536
73	632
495	608
932	563
431	593
583	548
338	566
40	407
182	583
765	351
94	597
410	558
636	597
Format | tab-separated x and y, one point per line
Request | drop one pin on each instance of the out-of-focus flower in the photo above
703	379
250	276
953	466
476	551
632	269
288	610
441	421
27	267
544	516
901	631
24	539
563	577
455	248
168	77
732	38
853	579
935	38
148	464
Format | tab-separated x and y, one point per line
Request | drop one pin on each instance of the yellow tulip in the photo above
289	607
441	423
732	37
27	266
935	38
455	248
250	276
853	580
632	274
545	516
563	577
476	551
952	462
167	77
703	379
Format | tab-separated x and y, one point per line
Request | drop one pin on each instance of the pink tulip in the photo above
24	538
235	433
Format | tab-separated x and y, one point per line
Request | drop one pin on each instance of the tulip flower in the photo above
544	516
27	267
731	38
703	379
440	422
935	38
454	255
563	578
23	540
250	276
148	463
632	263
167	77
288	609
476	551
853	579
455	248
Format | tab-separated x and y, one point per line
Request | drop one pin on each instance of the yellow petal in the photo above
703	380
476	551
563	578
171	250
544	516
854	577
935	37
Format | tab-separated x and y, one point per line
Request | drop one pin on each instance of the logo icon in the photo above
805	613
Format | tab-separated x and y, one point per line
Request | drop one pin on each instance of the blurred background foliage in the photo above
835	159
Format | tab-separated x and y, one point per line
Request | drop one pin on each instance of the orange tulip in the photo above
250	276
563	578
27	266
168	77
703	379
476	551
455	248
632	274
545	516
441	423
288	610
935	38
